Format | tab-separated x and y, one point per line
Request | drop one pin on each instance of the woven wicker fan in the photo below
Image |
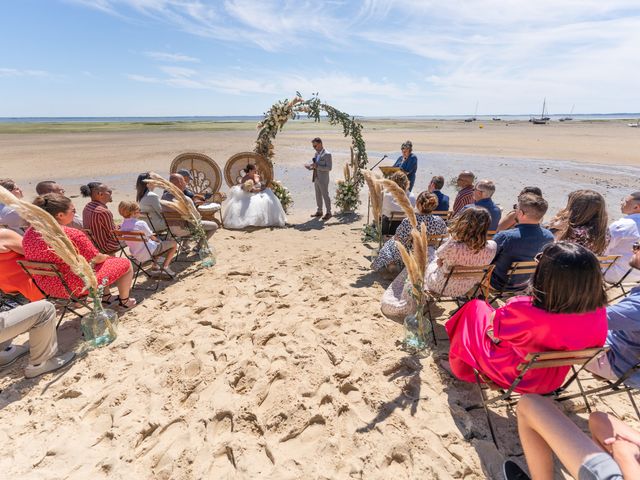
234	168
207	176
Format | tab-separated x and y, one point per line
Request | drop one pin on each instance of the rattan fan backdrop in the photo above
207	176
234	169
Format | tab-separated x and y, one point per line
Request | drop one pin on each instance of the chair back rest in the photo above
123	236
444	214
480	273
491	234
522	268
234	169
538	360
173	218
206	174
43	269
606	262
397	216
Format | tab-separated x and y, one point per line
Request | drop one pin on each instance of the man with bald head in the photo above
183	230
465	194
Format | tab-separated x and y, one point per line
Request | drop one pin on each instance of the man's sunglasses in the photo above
635	247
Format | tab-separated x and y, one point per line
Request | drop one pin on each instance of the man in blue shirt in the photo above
435	186
522	243
482	193
624	335
408	162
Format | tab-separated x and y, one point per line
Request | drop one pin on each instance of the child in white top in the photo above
130	211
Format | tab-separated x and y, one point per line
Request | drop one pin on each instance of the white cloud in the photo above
171	57
14	72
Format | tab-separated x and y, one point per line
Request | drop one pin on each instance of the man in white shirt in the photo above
8	216
624	233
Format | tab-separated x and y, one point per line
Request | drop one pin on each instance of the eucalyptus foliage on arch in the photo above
347	195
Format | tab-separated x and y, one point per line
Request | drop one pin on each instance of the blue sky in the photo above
236	57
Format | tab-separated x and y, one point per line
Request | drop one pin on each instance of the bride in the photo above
251	204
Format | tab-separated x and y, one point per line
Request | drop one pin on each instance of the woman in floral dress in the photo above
389	254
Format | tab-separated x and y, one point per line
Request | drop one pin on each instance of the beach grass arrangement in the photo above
375	192
347	193
401	199
415	261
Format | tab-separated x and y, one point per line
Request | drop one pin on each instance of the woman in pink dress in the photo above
566	311
113	270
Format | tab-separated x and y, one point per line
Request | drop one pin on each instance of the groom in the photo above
321	167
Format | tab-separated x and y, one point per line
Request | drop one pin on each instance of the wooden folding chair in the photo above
611	387
624	285
535	361
162	234
507	290
91	236
606	262
174	219
436	240
44	269
141	267
480	274
491	234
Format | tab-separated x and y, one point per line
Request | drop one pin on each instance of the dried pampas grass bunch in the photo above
54	236
180	203
375	192
401	199
416	260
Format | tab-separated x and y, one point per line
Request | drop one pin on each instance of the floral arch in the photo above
347	193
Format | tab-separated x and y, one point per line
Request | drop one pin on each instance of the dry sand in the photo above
275	363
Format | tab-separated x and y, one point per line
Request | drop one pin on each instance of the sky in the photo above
369	57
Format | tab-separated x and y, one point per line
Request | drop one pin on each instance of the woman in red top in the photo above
113	270
12	277
565	311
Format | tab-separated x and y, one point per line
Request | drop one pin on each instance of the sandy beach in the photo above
277	363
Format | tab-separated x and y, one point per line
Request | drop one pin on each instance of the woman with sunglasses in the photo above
112	270
565	310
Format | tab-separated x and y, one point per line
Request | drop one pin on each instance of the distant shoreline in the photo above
46	125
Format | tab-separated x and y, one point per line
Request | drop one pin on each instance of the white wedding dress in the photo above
261	209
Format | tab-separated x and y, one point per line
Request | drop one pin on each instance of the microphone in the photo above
379	162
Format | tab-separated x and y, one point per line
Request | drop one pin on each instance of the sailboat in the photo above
566	119
472	119
542	120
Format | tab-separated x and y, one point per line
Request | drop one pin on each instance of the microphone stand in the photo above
379	162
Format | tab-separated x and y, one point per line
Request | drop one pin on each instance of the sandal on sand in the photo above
51	365
126	303
512	471
108	299
12	354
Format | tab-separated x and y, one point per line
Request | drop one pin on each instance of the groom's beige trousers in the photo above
321	183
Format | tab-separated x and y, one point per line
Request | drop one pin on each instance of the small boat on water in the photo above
496	119
634	125
569	118
472	119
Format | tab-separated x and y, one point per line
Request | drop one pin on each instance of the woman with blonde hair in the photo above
389	256
583	221
468	246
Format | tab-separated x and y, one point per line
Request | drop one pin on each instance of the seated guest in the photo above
624	335
97	218
390	206
509	220
12	277
465	192
149	202
435	186
130	211
612	452
565	311
522	243
38	319
389	256
583	221
482	193
8	216
624	233
49	186
112	270
408	162
182	230
468	246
